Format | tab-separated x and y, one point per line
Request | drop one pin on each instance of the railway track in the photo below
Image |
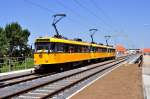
18	79
10	77
51	85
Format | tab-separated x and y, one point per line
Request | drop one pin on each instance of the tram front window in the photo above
45	47
42	48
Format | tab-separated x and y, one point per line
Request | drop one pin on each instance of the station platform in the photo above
15	73
146	76
125	82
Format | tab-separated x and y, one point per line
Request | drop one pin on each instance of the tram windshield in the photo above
43	47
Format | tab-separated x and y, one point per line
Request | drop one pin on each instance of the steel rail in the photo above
15	77
27	78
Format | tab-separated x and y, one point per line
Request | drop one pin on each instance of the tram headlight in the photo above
46	61
34	61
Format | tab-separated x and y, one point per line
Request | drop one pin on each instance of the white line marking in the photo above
94	81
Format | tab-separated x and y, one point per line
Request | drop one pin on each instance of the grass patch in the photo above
17	65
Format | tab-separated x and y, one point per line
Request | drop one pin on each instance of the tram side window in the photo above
52	47
66	48
93	49
99	49
104	49
89	48
71	49
113	50
110	50
62	47
86	49
59	47
77	48
96	49
107	50
83	49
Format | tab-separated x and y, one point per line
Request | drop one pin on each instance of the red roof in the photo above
120	48
146	50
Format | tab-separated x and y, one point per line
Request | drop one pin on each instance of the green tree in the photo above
3	43
17	39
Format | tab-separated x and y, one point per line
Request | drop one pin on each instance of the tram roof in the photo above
68	41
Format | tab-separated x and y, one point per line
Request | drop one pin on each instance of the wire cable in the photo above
103	12
39	6
72	11
48	10
91	12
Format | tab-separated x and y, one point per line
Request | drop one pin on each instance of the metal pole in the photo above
92	38
107	37
25	63
107	42
56	30
9	64
92	33
55	21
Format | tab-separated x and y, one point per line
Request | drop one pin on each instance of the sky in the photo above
126	21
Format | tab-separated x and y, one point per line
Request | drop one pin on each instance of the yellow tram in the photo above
52	51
